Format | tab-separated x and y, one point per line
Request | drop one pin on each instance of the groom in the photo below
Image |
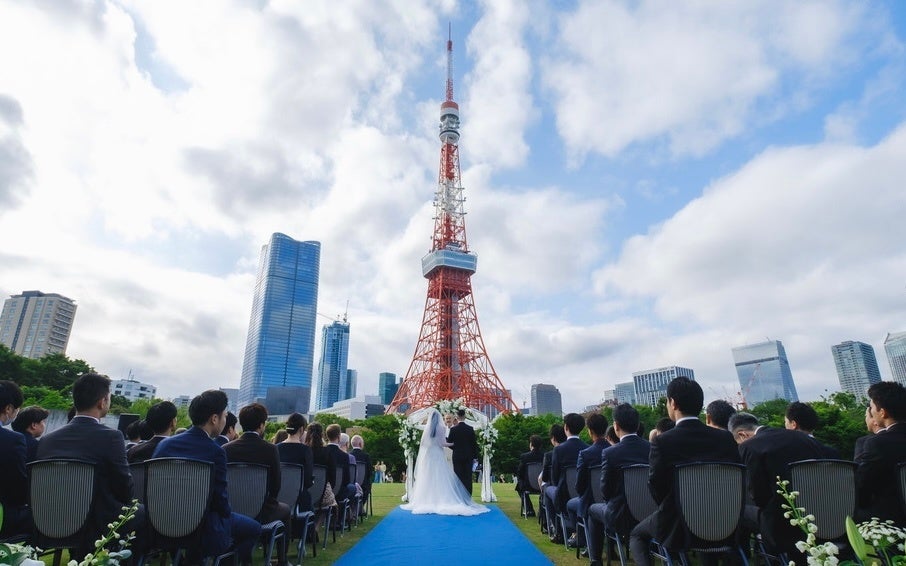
465	449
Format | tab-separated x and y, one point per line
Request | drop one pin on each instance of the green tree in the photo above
119	405
45	397
55	371
514	431
381	434
329	418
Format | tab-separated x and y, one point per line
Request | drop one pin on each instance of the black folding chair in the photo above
317	491
342	504
247	489
360	474
639	503
570	473
594	478
137	470
61	492
827	490
291	494
532	470
901	476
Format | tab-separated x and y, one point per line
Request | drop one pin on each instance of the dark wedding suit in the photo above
578	506
613	514
253	449
362	457
84	438
522	480
340	460
143	450
766	456
31	447
689	441
859	447
557	493
465	451
876	477
221	524
14	483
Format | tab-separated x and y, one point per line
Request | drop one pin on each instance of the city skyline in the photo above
647	184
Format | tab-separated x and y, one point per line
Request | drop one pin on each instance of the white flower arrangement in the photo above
884	538
486	437
447	407
824	554
409	436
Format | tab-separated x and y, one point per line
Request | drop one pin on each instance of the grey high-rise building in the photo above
352	382
35	324
387	386
651	384
625	392
279	348
895	348
764	373
546	400
332	375
857	367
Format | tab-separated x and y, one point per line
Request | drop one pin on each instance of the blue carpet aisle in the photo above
404	538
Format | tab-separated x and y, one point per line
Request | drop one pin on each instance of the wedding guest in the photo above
294	451
161	419
611	436
13	477
802	417
133	433
564	455
31	423
663	425
314	438
280	436
345	488
355	490
523	485
872	426
588	458
228	434
876	477
362	457
718	413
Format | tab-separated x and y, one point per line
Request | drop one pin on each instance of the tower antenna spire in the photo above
450	62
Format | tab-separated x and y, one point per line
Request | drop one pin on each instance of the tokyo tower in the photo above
450	360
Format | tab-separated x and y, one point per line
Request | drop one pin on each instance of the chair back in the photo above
639	501
290	484
594	478
60	494
319	484
533	470
137	470
338	483
711	496
570	473
827	490
360	473
247	487
177	495
901	477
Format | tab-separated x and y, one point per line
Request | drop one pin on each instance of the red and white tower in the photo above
450	360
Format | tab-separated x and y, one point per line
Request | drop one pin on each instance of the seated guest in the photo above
522	481
663	425
767	453
85	438
876	476
872	426
31	423
280	436
689	441
161	419
718	413
13	477
228	434
362	457
314	438
564	455
294	451
134	433
345	489
356	489
611	436
613	514
588	458
208	414
252	448
802	417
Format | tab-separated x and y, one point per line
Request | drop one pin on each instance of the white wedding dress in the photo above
437	489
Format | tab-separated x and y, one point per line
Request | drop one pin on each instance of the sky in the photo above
648	183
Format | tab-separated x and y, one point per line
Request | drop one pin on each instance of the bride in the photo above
437	489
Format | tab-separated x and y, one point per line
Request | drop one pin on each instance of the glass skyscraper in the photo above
857	367
651	384
895	348
387	386
279	349
764	373
332	375
546	400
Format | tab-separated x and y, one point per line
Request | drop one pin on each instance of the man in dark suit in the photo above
718	413
465	449
31	422
767	452
802	417
161	419
588	458
613	514
340	461
208	414
522	481
228	434
872	427
362	457
85	438
13	477
252	448
876	476
564	455
689	441
557	437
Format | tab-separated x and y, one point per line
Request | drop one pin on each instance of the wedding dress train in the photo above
437	489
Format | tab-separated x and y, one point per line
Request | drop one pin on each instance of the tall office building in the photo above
279	349
857	367
651	384
625	392
387	386
352	381
35	324
764	373
895	348
332	377
546	400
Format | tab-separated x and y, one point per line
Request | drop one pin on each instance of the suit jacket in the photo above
876	476
221	440
31	448
766	456
465	447
526	458
195	443
324	457
688	441
13	475
143	450
340	461
546	467
563	456
362	457
859	448
253	449
588	458
632	449
84	438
